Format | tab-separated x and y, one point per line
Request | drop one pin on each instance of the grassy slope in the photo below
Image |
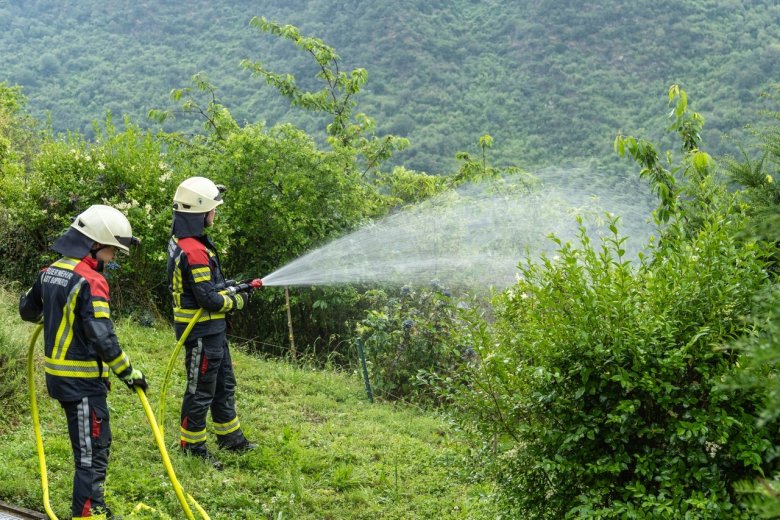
325	452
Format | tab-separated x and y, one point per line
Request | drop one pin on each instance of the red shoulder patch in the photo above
98	285
195	251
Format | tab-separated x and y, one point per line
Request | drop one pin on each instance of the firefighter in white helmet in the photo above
195	279
71	298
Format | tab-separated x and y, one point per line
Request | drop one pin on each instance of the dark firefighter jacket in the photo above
72	299
195	278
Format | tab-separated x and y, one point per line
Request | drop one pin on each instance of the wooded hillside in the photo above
547	79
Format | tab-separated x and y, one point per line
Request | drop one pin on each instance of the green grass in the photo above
324	451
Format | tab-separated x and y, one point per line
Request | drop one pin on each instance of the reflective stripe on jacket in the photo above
80	345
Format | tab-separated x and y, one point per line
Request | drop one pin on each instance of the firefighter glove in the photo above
240	299
136	378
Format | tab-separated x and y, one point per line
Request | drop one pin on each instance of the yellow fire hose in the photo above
169	369
37	425
149	416
167	461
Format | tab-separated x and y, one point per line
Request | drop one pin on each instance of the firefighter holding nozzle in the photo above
196	281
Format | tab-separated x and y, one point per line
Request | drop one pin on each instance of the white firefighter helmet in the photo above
107	226
197	195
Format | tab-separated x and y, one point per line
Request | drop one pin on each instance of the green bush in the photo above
408	337
13	357
599	391
606	382
760	361
127	170
14	340
760	351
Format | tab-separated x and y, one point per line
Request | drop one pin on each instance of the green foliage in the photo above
334	99
761	350
404	186
760	359
599	389
687	190
603	382
408	338
127	170
17	132
759	182
542	76
13	356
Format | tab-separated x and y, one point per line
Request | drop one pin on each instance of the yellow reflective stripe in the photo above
226	428
120	363
73	368
178	285
101	309
65	330
178	288
192	437
227	303
66	263
186	315
201	274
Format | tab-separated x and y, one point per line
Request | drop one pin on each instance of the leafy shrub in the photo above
760	361
127	170
607	379
13	356
600	391
761	350
408	338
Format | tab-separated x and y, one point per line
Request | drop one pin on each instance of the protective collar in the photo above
73	244
94	263
188	224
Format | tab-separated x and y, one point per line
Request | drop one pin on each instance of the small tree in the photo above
352	132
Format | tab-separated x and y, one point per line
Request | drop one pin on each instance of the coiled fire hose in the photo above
149	416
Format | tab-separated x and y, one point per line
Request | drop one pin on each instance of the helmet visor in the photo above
128	241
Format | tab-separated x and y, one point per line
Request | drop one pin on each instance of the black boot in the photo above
241	444
201	452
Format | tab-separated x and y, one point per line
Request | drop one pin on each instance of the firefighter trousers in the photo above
211	385
90	439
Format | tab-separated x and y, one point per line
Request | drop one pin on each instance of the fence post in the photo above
293	352
362	355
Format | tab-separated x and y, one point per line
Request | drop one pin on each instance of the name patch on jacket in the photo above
56	276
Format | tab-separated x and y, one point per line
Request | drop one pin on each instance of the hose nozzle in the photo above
250	285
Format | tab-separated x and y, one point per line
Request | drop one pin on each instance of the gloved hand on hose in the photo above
136	378
240	299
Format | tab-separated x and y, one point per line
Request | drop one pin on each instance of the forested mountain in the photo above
548	79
